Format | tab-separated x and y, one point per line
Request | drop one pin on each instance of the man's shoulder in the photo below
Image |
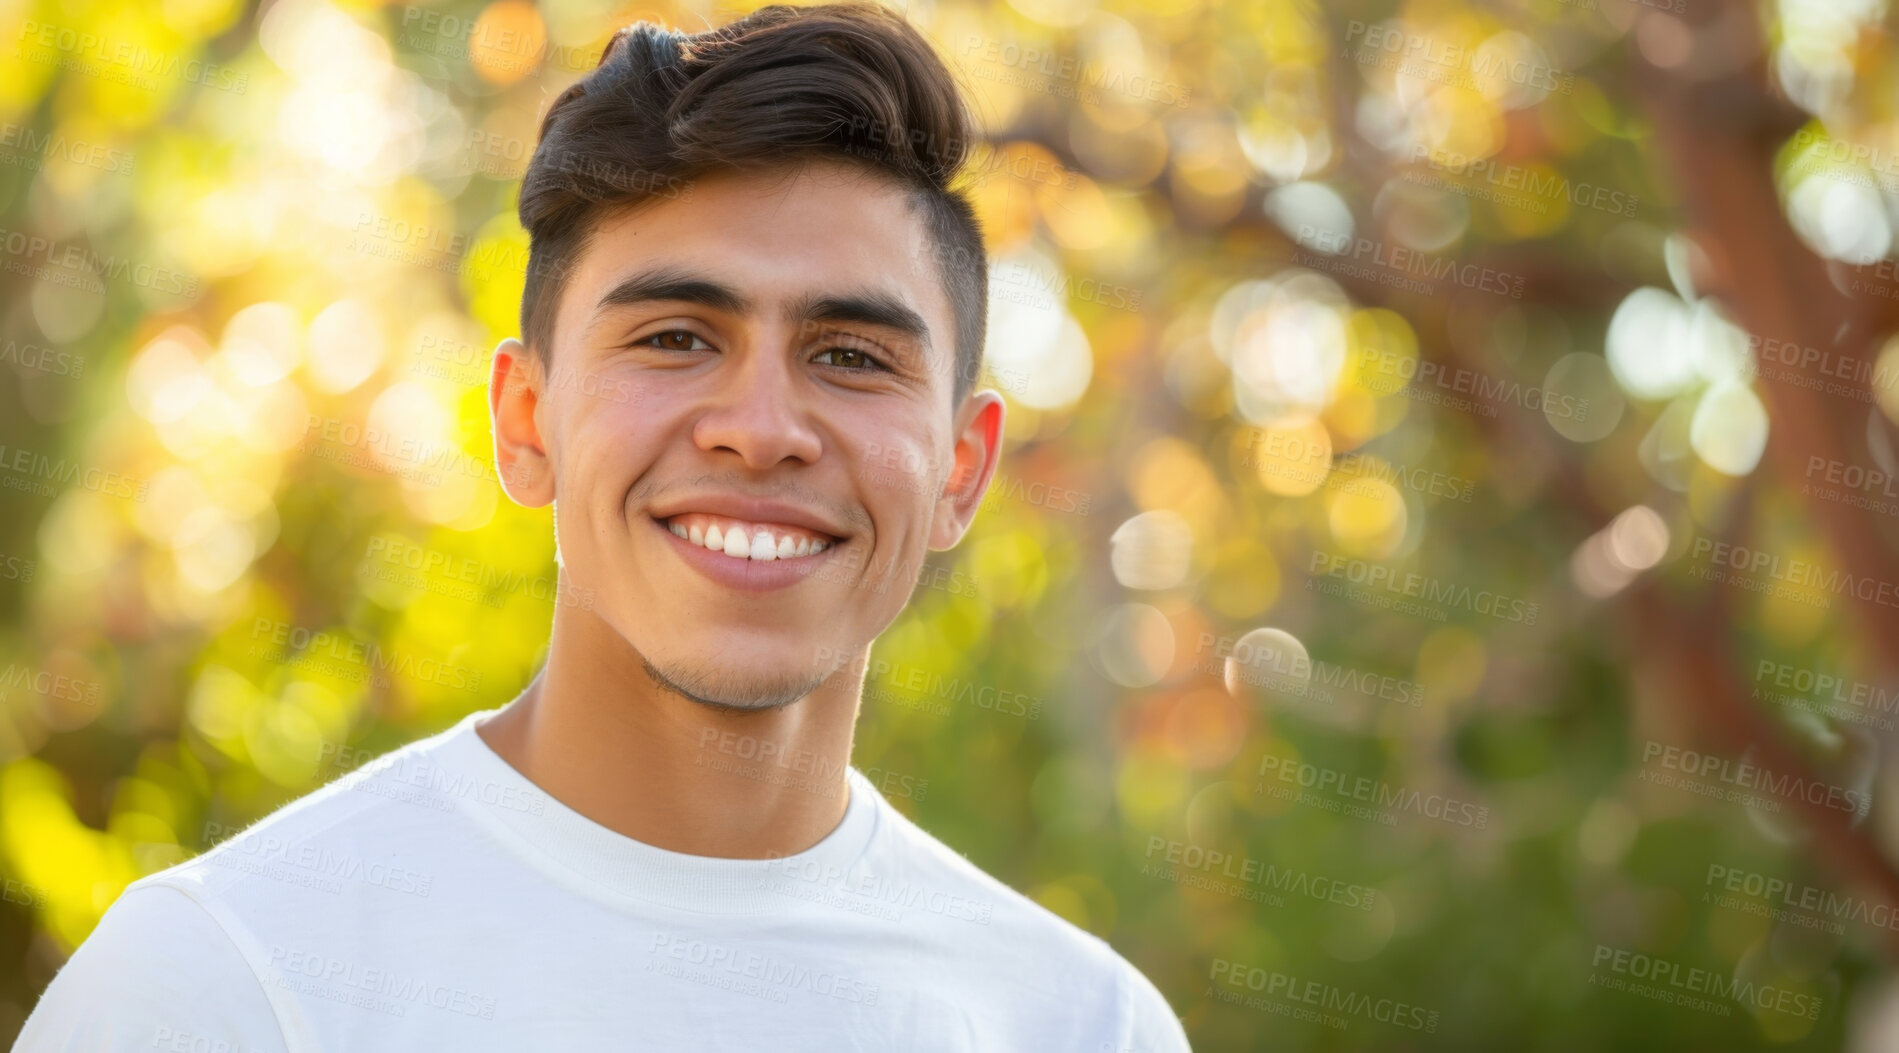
1037	942
938	872
1034	932
184	955
158	970
347	830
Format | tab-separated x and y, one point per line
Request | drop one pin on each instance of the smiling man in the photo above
753	321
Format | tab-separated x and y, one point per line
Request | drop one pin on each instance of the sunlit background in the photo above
1446	548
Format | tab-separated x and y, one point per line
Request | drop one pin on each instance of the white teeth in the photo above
763	550
761	544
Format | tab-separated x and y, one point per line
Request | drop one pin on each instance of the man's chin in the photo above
747	702
734	691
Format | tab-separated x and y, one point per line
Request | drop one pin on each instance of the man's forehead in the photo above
861	226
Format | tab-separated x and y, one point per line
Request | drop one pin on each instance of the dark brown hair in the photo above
850	81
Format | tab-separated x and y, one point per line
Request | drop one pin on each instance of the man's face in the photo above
770	356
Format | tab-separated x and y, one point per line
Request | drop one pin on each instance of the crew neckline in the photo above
614	867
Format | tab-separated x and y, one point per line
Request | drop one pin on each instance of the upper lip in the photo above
750	509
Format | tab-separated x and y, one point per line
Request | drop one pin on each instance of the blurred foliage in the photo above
1356	372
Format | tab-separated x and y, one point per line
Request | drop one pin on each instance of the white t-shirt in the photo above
437	899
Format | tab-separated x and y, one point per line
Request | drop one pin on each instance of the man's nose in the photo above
759	410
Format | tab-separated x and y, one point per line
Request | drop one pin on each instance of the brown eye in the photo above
851	358
672	340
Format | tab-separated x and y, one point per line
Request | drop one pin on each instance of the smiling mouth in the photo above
746	540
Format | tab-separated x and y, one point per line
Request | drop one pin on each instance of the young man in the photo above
750	295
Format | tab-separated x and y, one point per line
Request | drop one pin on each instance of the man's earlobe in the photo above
514	394
978	447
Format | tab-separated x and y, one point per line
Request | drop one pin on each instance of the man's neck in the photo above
596	733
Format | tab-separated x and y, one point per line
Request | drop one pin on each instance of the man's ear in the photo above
515	382
978	448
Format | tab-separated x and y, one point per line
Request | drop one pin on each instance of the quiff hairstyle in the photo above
849	82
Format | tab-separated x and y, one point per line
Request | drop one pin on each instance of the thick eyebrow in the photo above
865	307
873	307
671	283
